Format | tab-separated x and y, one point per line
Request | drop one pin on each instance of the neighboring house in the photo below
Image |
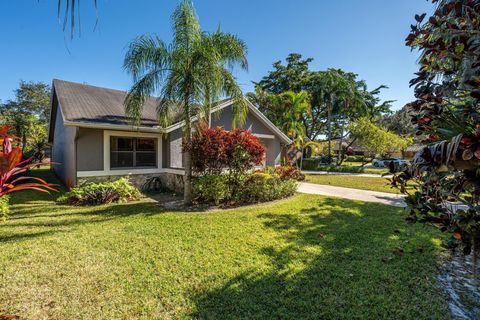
92	138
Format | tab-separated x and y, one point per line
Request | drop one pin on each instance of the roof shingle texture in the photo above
86	103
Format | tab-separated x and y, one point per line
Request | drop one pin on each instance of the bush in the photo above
100	193
260	187
355	159
4	207
314	165
284	172
216	149
212	188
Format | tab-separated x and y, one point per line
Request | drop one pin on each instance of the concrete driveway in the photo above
392	199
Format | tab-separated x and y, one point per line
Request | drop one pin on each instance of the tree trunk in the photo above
341	154
329	116
187	180
347	147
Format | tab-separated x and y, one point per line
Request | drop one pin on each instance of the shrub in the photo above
315	165
215	149
260	187
100	193
355	159
4	207
213	188
284	172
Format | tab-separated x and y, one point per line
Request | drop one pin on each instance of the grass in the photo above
363	183
307	257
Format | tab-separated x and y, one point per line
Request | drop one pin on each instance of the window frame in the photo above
133	152
131	170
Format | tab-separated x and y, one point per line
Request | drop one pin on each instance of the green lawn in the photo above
305	257
364	183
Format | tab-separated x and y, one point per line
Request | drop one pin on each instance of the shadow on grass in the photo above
339	260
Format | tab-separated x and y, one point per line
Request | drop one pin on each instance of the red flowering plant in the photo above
12	168
446	113
215	150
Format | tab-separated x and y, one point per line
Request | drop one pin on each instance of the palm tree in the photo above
188	74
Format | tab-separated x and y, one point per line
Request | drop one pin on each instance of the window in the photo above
127	152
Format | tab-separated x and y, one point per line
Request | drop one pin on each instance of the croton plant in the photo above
13	167
446	113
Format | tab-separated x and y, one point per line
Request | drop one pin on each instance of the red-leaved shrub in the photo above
216	149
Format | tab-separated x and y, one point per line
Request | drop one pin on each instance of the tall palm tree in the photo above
188	74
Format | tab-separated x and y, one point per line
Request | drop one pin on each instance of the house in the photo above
92	139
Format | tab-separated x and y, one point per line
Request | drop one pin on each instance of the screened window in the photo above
128	152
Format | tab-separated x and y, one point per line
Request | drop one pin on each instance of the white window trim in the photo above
131	171
264	136
107	171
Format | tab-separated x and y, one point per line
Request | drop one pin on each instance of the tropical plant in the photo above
12	168
187	74
335	96
446	112
92	193
215	150
70	9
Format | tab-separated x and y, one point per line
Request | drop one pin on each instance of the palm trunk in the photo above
187	181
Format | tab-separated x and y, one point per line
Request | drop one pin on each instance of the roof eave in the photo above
109	126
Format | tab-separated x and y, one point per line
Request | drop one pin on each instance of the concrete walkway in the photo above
353	194
372	175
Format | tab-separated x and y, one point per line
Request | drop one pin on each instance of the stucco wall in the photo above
174	149
171	148
223	118
89	149
63	151
273	151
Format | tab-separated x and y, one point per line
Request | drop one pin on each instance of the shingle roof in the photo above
86	103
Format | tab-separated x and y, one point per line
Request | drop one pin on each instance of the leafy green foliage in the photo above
212	189
194	70
4	207
316	165
355	159
334	95
260	187
28	116
92	193
215	150
250	188
284	172
399	122
446	113
376	140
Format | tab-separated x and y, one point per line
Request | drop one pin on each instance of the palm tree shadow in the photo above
325	265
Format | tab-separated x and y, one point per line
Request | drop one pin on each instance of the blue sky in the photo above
365	37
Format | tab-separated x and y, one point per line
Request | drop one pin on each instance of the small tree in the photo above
194	70
446	111
376	140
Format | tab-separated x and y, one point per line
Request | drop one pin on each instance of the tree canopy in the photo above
334	94
376	140
28	115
